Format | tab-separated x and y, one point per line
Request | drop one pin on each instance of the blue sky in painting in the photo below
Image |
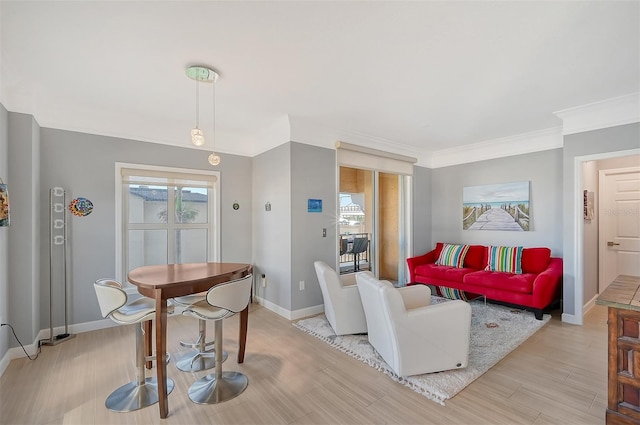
496	193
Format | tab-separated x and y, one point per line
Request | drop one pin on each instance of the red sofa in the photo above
538	286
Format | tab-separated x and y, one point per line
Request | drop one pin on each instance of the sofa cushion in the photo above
499	280
454	274
535	260
452	255
476	257
505	259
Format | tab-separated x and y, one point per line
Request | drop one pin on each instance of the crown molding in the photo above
550	138
605	113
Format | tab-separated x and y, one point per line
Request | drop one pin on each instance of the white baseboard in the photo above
571	319
589	305
287	314
32	349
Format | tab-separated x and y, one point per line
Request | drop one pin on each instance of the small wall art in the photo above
5	218
81	207
314	205
588	205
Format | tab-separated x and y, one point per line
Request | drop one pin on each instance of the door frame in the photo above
601	229
580	307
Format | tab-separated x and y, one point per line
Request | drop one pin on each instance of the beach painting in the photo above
503	206
4	206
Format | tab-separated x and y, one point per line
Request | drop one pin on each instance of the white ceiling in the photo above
411	77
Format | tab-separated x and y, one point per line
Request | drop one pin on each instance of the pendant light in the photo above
203	75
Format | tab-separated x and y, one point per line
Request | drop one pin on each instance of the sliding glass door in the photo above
373	223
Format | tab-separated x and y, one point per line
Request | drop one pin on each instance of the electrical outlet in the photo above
301	283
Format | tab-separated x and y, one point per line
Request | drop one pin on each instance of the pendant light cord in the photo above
197	104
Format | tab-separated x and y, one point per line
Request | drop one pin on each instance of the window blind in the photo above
365	158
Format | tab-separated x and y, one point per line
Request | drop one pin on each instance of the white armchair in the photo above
412	335
342	304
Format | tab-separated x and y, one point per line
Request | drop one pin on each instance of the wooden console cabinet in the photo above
622	298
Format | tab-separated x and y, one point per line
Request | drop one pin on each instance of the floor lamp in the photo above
57	242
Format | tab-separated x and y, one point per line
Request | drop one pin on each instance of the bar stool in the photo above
195	361
115	305
222	301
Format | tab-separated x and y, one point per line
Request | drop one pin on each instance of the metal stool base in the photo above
209	390
203	363
132	396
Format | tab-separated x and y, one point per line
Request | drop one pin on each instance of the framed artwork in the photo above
4	205
314	205
503	206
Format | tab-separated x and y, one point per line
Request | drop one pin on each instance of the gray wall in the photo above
84	165
422	205
24	288
544	172
313	176
272	229
4	236
613	139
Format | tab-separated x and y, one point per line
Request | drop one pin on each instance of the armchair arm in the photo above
415	296
413	262
434	337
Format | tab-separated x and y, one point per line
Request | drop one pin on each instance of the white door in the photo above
619	224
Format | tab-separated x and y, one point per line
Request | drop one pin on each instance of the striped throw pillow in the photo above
452	255
505	259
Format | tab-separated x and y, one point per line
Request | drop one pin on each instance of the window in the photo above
165	216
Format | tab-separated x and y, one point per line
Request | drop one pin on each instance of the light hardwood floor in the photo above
558	376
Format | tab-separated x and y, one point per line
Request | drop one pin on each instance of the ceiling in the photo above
409	77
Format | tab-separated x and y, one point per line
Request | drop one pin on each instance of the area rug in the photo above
495	332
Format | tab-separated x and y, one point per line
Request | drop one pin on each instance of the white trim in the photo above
578	235
287	314
589	305
535	141
572	319
605	113
578	206
214	193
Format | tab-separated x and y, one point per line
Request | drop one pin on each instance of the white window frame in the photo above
121	211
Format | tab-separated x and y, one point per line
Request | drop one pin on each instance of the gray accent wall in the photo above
288	239
544	172
313	176
24	280
4	236
422	205
272	229
84	165
614	139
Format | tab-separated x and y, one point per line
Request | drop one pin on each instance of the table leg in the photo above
161	353
242	337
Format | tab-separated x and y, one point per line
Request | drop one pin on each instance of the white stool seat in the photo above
222	301
115	305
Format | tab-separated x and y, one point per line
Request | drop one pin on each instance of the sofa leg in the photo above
538	313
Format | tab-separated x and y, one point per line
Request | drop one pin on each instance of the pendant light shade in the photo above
204	75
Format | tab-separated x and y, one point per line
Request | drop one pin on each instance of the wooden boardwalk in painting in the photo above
495	219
